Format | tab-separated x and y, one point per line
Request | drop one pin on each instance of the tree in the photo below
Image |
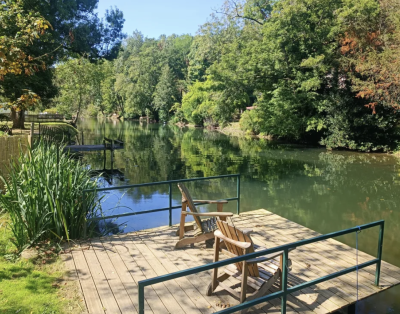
19	30
370	48
112	101
75	79
165	94
140	67
75	30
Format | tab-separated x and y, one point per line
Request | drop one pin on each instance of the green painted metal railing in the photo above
285	289
170	207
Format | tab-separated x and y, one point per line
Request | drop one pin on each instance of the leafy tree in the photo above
19	30
76	79
370	50
112	101
165	94
60	29
151	73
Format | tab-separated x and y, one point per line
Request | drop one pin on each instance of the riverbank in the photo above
233	129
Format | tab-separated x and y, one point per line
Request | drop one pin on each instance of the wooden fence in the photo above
10	148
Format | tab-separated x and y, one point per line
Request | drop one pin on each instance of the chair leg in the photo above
263	289
220	278
244	281
182	223
186	229
191	240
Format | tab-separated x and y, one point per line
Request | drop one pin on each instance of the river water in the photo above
324	191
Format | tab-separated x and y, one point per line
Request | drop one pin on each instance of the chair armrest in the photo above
247	231
211	214
264	258
211	201
243	245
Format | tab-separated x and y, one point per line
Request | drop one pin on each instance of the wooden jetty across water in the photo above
108	270
108	144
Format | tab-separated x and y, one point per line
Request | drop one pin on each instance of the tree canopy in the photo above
315	71
36	34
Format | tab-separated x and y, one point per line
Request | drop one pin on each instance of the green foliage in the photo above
165	94
151	74
36	34
44	197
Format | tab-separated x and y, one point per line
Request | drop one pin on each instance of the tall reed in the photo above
44	196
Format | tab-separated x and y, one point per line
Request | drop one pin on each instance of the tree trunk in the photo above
75	119
18	119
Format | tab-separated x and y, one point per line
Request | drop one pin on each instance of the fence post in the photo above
141	298
285	256
238	195
84	208
112	156
380	245
30	137
170	204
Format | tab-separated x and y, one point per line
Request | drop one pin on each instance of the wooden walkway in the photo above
109	268
90	148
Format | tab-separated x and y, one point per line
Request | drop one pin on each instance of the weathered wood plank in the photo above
111	275
135	270
107	297
135	247
92	298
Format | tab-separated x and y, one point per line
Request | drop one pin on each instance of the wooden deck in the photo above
109	268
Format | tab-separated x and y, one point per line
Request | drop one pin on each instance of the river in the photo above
324	191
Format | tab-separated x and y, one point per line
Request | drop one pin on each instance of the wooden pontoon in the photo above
108	270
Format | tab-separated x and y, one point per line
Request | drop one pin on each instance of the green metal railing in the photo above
285	289
170	207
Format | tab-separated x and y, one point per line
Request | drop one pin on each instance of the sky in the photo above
156	17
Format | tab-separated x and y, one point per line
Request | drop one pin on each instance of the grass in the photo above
31	286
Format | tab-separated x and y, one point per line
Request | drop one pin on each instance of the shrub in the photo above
250	122
44	197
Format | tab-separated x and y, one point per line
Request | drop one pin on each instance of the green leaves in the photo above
44	197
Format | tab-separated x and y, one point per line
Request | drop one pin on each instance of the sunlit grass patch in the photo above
29	286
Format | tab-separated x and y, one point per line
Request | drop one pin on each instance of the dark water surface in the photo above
324	191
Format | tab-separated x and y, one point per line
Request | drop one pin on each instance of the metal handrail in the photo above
170	207
285	290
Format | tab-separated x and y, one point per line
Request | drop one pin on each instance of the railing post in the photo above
380	245
238	195
141	298
170	204
284	280
84	208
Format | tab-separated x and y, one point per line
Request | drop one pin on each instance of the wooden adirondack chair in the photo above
189	234
258	274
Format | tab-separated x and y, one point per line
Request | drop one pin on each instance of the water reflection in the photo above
324	191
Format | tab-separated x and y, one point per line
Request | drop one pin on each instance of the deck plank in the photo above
110	305
135	249
108	273
89	290
111	275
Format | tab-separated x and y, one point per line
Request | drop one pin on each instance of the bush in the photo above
250	122
44	197
51	110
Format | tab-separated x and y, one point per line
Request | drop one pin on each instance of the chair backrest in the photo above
188	199
237	235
